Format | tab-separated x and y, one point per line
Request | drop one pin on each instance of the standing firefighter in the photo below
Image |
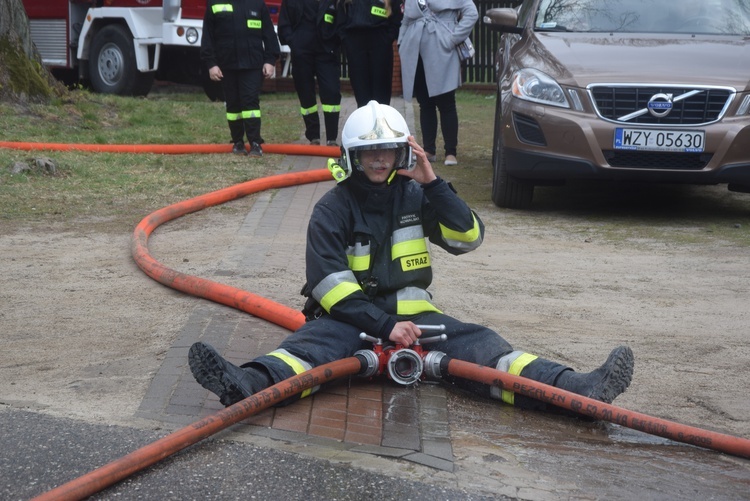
308	27
240	48
368	269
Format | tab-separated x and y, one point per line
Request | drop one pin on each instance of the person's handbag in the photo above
465	50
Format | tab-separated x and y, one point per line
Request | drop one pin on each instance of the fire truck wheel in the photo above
112	66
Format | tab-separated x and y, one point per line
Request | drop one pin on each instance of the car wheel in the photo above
112	65
506	190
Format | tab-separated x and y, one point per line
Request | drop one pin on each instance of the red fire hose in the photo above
735	446
109	474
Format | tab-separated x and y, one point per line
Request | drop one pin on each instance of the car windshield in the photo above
715	17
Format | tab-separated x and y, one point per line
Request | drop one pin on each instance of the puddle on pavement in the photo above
601	459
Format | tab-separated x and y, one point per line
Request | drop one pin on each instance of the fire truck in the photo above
121	46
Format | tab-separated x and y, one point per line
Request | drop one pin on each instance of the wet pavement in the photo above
356	439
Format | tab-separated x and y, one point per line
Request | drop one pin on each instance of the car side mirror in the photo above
504	20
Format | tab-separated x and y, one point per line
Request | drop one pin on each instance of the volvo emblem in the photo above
660	105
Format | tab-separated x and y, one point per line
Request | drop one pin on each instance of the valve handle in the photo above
431	328
431	339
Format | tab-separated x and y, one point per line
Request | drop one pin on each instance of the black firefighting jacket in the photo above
308	24
368	14
238	35
368	263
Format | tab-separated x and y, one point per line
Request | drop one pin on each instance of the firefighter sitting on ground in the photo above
240	48
368	269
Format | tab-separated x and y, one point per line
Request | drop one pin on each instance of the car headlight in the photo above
533	85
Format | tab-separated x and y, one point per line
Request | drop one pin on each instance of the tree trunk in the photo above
22	76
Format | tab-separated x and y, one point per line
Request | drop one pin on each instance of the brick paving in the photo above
375	417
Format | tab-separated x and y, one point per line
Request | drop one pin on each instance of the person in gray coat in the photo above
430	67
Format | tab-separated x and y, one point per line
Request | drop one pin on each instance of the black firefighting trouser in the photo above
242	99
369	55
307	66
325	340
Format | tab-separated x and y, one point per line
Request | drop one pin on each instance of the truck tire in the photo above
112	65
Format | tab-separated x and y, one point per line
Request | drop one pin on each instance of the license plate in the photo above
687	141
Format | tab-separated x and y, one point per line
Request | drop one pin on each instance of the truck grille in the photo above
706	105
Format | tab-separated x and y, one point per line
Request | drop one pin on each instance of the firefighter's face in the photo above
377	164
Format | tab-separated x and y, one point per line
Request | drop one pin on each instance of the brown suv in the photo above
640	90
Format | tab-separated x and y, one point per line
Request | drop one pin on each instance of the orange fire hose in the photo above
201	287
174	149
118	470
735	446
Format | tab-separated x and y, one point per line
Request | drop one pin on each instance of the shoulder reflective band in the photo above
378	11
462	239
222	7
297	364
254	24
328	18
513	363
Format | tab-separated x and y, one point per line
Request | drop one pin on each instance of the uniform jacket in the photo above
307	25
368	14
422	34
238	35
368	263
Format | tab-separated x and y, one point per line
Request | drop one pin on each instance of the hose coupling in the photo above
432	364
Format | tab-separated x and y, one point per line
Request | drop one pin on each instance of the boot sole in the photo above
619	367
208	369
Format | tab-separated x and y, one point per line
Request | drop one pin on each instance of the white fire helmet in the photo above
372	127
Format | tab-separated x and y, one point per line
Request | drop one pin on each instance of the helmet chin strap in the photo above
391	177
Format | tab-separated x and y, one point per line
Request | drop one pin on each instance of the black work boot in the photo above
217	375
606	382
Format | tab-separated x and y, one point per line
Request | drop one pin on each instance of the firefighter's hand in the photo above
268	70
405	333
215	74
422	171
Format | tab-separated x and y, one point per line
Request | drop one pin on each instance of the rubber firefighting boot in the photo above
237	131
219	376
603	384
331	119
606	382
312	127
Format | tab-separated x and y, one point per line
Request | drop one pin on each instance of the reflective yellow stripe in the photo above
379	11
515	368
338	293
308	111
251	114
359	263
296	366
408	248
328	18
462	239
233	116
254	24
331	108
413	307
222	7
